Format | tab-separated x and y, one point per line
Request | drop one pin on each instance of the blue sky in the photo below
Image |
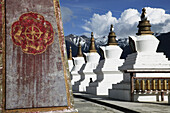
76	14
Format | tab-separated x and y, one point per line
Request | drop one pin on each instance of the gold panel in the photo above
143	85
148	85
164	84
137	85
153	85
168	84
158	84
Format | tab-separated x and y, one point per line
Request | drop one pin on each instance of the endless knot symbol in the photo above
32	33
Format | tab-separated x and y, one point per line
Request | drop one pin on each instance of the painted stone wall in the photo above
33	80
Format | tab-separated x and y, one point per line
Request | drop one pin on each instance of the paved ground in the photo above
102	104
85	106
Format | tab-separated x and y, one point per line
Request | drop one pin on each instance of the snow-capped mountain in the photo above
73	40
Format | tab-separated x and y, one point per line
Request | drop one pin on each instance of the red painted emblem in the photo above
32	33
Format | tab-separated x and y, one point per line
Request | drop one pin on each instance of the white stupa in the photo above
107	70
145	44
78	63
145	58
87	72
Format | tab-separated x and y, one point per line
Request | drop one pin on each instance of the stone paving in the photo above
85	106
102	104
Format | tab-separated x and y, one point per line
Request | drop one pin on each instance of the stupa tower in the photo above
145	63
107	70
112	37
79	52
78	63
144	25
92	58
70	54
92	45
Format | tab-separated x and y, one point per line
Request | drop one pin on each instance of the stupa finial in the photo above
111	28
91	34
70	54
112	37
92	45
79	53
143	15
144	25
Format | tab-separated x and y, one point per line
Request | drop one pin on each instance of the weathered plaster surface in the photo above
33	80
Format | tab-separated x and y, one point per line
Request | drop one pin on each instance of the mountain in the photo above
164	45
72	40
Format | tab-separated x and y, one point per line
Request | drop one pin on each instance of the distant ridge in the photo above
164	45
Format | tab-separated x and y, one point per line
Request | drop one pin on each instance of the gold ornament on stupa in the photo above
92	45
79	53
112	37
144	25
70	54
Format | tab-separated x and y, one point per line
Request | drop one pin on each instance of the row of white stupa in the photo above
143	76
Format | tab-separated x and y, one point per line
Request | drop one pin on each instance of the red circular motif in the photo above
32	33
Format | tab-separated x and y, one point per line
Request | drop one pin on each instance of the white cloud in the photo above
99	24
160	21
66	14
127	23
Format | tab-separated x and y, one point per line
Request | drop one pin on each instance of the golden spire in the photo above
70	54
92	45
111	37
79	53
144	25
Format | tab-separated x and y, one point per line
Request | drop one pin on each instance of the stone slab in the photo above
35	70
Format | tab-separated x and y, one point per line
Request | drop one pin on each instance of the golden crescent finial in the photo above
91	34
111	27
